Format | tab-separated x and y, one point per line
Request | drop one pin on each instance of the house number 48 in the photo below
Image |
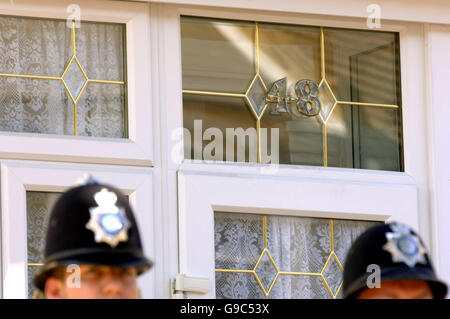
306	100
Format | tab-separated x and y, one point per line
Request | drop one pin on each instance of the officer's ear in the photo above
54	288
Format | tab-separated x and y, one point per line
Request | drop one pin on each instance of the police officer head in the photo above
93	247
390	261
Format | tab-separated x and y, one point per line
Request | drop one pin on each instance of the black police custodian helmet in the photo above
397	250
92	224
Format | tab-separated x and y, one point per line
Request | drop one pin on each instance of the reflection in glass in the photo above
362	66
218	55
379	137
340	137
221	57
289	51
300	138
221	113
366	70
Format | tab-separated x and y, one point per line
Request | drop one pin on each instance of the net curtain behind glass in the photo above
43	47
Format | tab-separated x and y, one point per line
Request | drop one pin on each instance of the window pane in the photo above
292	52
219	113
289	51
39	205
101	111
300	139
237	286
280	256
217	55
35	106
362	65
365	137
34	46
355	80
379	136
100	49
340	138
45	73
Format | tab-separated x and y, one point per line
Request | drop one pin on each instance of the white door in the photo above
258	230
304	220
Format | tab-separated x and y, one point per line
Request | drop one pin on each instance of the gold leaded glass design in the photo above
231	67
57	78
268	256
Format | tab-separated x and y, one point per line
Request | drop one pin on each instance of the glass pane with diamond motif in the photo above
270	256
317	96
57	77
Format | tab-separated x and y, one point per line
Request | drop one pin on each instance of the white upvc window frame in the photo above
430	11
18	177
137	149
204	187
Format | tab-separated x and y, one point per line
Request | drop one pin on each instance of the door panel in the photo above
286	234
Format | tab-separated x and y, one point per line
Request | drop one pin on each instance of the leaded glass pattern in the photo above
357	72
270	256
57	78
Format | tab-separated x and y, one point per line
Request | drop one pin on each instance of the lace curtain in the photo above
39	205
43	47
292	253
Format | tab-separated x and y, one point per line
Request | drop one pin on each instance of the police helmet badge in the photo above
108	221
404	246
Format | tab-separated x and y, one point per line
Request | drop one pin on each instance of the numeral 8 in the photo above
308	102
